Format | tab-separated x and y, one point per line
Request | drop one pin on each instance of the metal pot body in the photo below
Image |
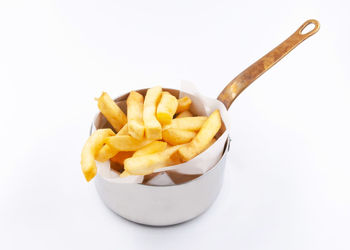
163	205
160	205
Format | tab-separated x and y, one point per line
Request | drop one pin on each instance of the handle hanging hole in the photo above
310	27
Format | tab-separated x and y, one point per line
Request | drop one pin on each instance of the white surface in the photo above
287	181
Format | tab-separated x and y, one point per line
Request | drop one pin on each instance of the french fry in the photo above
135	115
90	149
146	164
125	143
151	148
108	152
123	130
121	156
187	123
210	143
154	147
185	113
153	129
201	141
110	110
105	153
166	108
184	104
175	136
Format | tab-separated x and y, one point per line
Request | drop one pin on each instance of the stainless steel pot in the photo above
160	205
168	205
164	205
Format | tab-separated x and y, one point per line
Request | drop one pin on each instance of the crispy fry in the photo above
108	152
123	130
135	115
166	108
146	164
90	149
126	143
121	156
201	140
153	129
187	123
151	148
185	113
175	136
105	153
110	110
211	143
184	103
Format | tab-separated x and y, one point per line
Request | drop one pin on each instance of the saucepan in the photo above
172	204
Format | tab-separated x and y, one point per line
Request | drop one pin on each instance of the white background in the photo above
287	180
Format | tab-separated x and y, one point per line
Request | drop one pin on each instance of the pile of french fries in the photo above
158	131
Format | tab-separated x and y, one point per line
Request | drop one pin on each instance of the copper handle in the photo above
249	75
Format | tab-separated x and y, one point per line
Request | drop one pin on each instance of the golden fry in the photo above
105	153
185	113
126	143
153	129
90	149
184	104
110	110
121	156
187	123
211	143
108	152
166	108
175	136
135	115
201	140
146	164
151	148
124	130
